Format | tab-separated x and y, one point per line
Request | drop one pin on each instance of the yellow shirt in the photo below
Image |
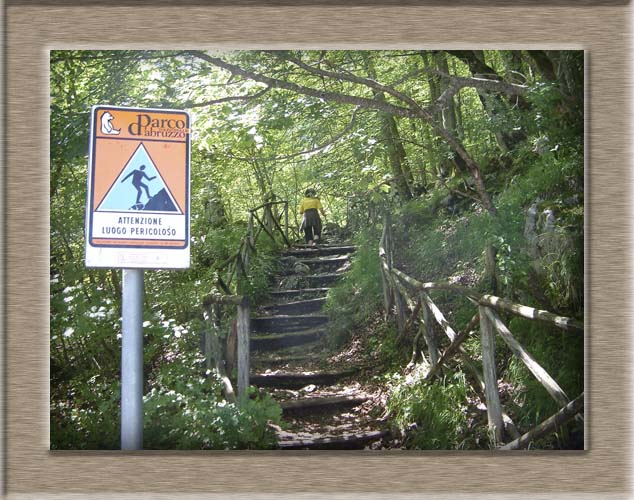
307	203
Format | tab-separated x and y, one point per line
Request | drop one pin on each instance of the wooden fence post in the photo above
429	333
286	220
244	327
386	265
494	408
251	233
556	392
215	349
212	314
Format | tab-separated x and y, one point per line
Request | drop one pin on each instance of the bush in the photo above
183	408
88	418
186	409
190	413
431	416
357	297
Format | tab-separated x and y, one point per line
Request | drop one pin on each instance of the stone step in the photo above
321	250
302	292
327	263
287	323
327	259
257	361
352	441
331	402
283	340
296	357
319	280
308	281
297	307
299	380
324	244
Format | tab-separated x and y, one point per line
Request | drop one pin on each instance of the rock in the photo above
300	268
294	282
530	231
541	145
546	236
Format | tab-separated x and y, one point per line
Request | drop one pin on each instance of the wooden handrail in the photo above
500	303
394	282
243	334
549	425
239	262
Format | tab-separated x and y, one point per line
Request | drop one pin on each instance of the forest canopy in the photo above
471	153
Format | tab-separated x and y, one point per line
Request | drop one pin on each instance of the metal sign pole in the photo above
132	360
137	213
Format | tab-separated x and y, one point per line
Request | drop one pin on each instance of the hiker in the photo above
310	207
137	182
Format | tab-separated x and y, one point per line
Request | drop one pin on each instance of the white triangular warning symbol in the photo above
139	186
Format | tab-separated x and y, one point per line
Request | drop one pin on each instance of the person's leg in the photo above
308	233
147	191
318	229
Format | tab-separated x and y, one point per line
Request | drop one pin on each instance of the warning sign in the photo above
138	188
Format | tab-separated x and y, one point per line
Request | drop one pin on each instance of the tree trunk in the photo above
395	151
396	154
479	68
443	167
544	64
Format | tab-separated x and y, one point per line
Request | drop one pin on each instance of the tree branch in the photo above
300	89
319	147
373	84
381	105
246	97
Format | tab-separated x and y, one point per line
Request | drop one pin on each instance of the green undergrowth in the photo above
560	353
186	410
184	406
353	301
439	238
433	416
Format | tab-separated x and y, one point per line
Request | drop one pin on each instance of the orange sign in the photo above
138	188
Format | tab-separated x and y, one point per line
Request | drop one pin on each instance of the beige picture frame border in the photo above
31	470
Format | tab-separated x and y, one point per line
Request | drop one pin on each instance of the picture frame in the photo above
35	27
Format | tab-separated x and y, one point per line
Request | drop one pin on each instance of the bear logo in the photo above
106	126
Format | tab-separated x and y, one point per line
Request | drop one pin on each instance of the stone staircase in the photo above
324	406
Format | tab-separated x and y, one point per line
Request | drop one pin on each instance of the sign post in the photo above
137	218
132	360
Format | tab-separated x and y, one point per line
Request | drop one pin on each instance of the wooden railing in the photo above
263	219
211	316
406	296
